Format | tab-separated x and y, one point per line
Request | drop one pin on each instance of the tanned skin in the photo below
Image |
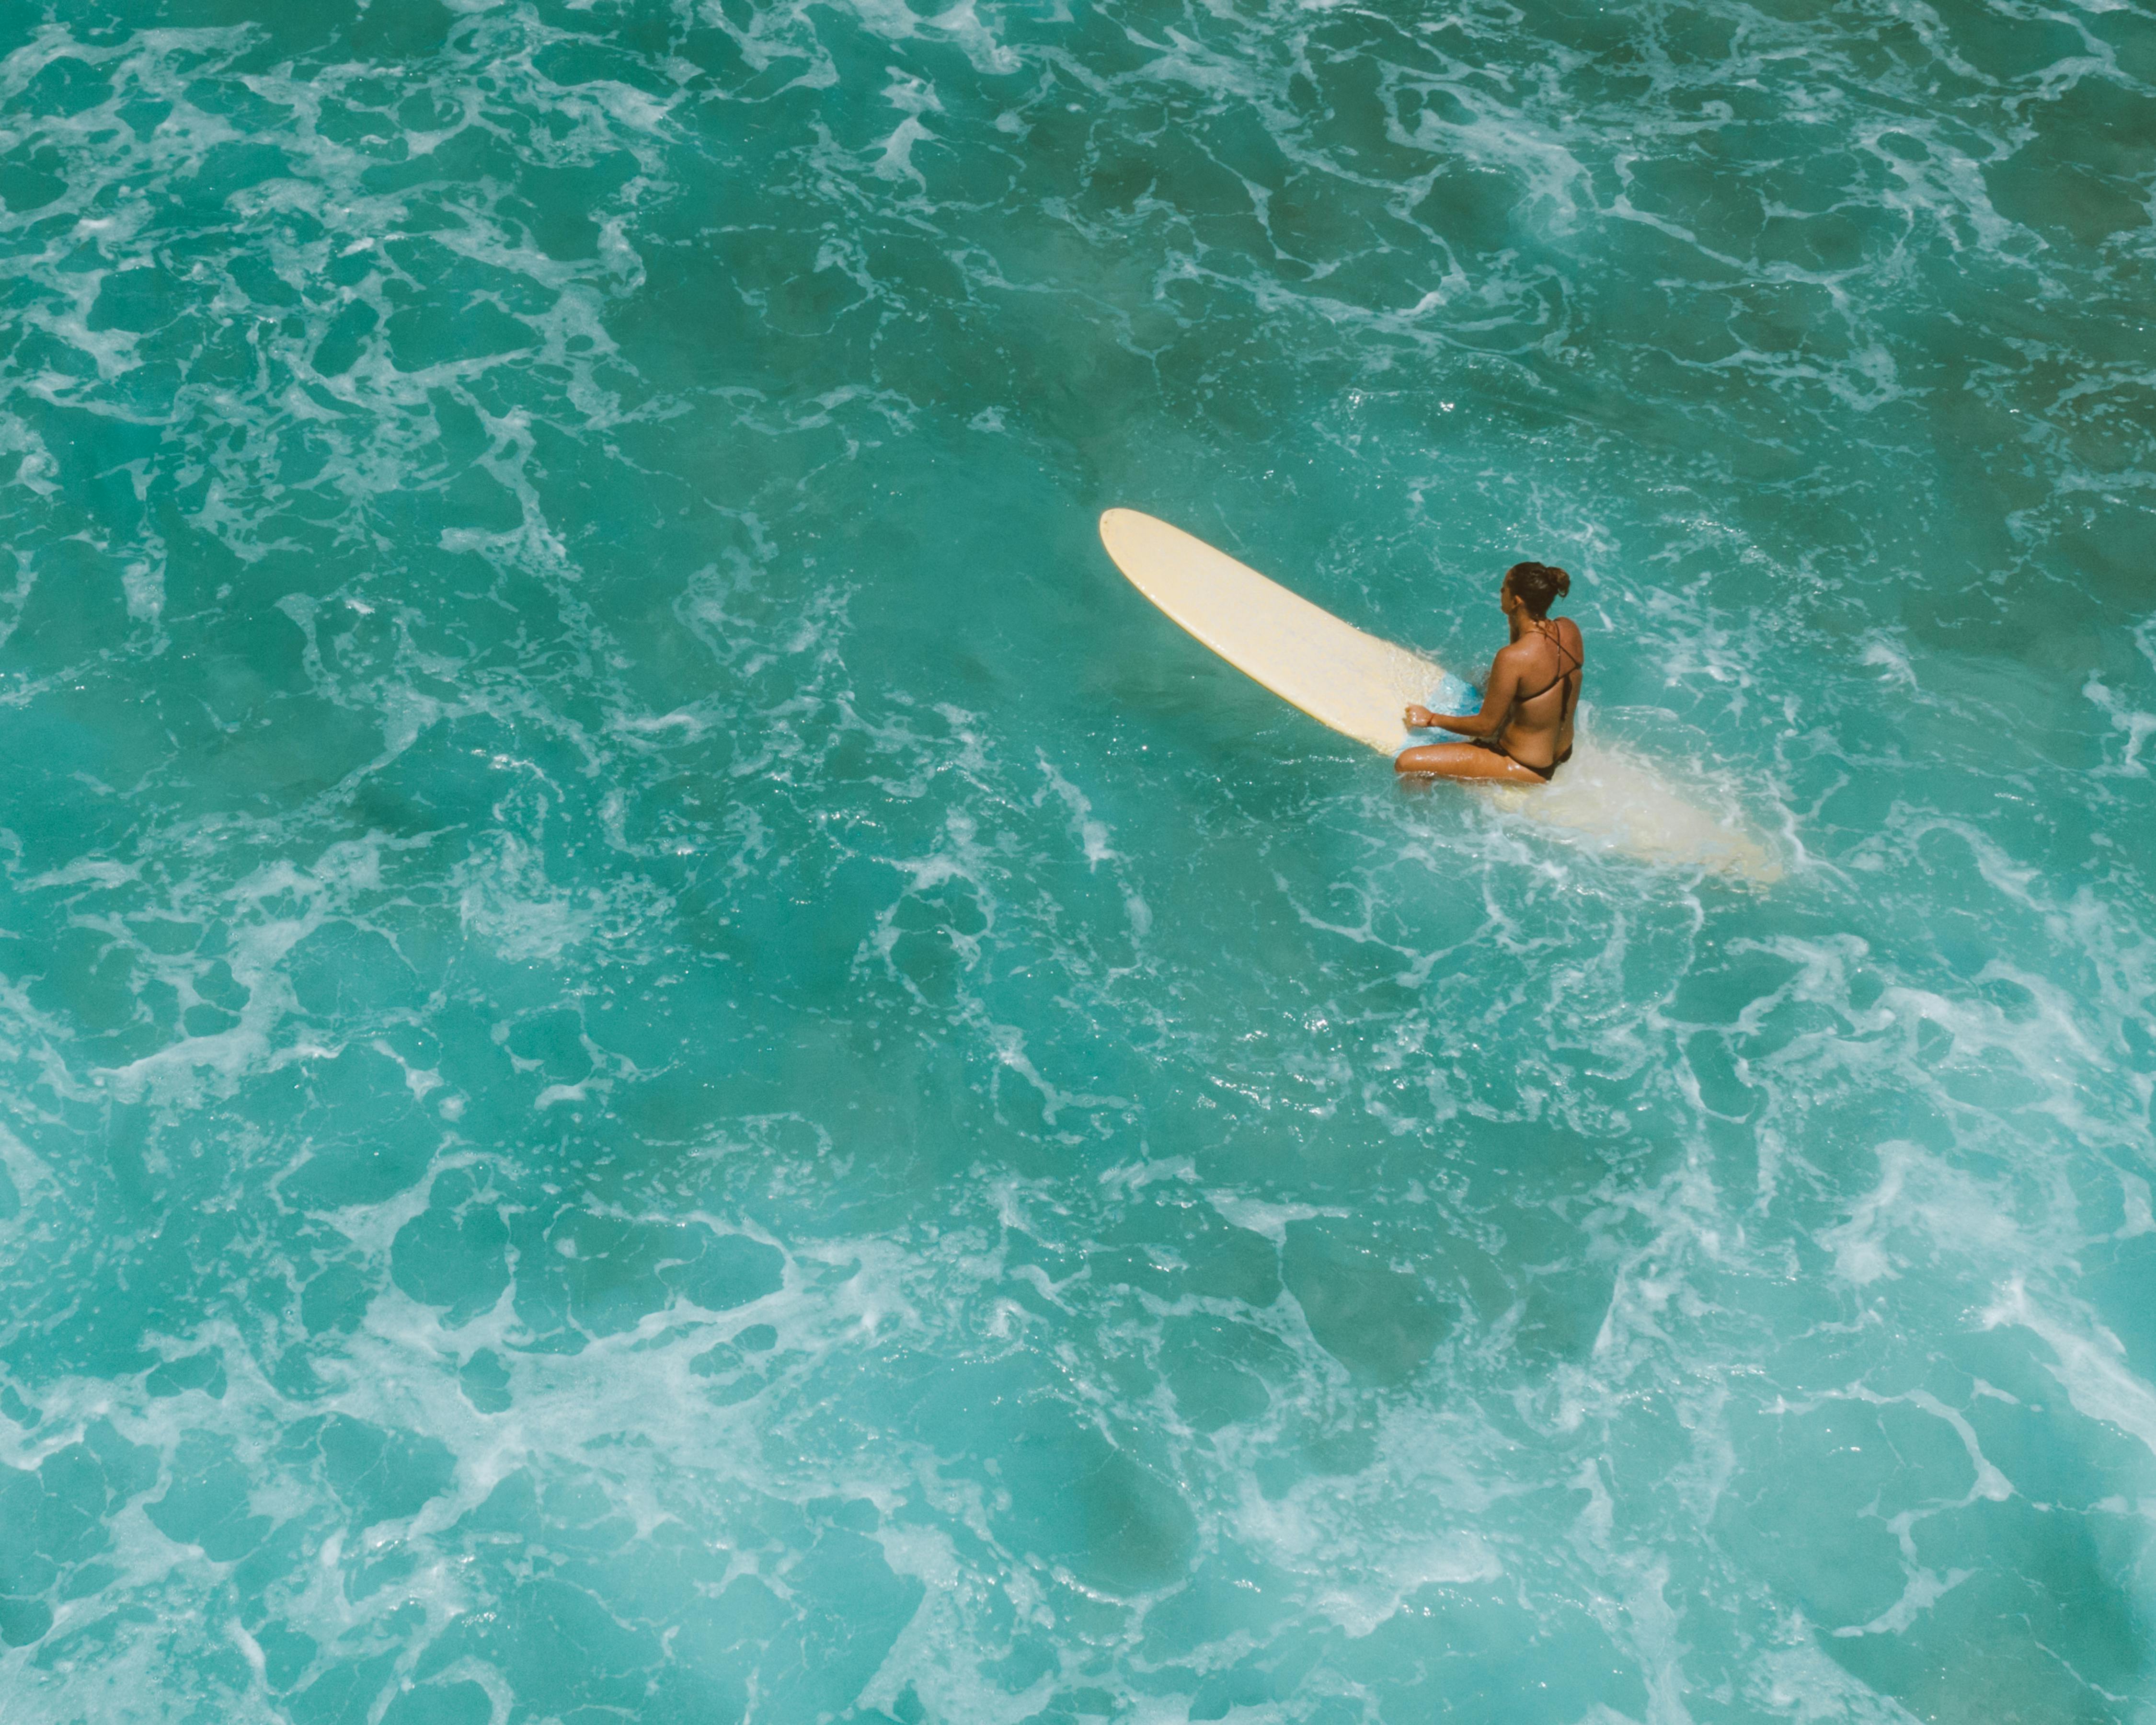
1537	731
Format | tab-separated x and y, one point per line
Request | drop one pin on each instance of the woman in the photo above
1523	733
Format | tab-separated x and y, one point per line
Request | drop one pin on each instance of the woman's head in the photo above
1538	586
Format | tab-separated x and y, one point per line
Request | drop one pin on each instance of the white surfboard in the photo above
1359	685
1354	682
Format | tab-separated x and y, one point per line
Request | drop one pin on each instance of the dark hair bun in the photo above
1538	586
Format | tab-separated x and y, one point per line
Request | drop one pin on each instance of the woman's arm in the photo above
1496	705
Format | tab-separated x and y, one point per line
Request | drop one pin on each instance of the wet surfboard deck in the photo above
1340	676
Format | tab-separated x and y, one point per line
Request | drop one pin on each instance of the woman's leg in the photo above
1462	760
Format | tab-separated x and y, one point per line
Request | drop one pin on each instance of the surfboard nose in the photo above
1117	524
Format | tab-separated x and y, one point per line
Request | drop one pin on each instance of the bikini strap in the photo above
1548	631
1564	706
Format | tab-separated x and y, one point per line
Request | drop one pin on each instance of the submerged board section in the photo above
1609	797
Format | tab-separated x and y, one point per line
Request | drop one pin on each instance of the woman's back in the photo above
1549	661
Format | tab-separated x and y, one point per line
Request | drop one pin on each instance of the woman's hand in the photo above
1420	718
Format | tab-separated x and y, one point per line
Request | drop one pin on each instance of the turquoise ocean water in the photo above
664	1060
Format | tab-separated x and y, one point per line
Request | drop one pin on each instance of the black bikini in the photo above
1495	744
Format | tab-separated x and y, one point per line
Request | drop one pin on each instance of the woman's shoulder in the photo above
1532	647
